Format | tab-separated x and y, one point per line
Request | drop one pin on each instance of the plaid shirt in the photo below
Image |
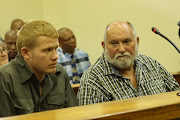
102	82
81	60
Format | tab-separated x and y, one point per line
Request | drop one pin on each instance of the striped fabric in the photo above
74	71
80	61
102	82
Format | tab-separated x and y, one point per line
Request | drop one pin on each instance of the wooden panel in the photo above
75	87
176	76
156	107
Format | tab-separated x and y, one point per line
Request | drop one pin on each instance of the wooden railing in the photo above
176	76
75	87
153	107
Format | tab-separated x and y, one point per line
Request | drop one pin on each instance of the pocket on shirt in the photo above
56	101
23	106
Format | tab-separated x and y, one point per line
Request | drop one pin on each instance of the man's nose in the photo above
55	55
121	48
3	53
13	47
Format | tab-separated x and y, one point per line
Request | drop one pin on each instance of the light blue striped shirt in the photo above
81	60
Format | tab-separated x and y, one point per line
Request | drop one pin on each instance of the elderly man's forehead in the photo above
118	24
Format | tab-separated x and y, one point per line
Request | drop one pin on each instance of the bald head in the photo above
16	24
10	34
63	31
119	25
67	40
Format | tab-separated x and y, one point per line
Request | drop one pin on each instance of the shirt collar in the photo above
26	72
65	53
106	65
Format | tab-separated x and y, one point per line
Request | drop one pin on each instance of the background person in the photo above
16	24
122	73
10	39
74	61
33	81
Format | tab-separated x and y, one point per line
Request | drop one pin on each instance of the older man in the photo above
33	81
121	72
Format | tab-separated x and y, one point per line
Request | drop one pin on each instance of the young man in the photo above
122	73
33	81
10	40
74	61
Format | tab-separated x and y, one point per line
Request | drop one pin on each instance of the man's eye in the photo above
113	43
127	41
9	43
67	40
49	49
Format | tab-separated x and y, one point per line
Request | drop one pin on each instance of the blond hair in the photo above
27	36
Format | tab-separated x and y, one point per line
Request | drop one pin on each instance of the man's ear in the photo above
137	41
25	52
103	45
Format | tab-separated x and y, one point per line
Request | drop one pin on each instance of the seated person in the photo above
74	61
33	81
10	40
16	24
122	73
3	53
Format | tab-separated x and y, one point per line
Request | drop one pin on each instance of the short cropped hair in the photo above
27	36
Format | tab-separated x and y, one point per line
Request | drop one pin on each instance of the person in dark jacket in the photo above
33	81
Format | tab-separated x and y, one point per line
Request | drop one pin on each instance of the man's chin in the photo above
51	71
12	54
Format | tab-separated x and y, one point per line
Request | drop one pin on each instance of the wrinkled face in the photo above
3	55
17	26
42	58
120	48
11	44
68	42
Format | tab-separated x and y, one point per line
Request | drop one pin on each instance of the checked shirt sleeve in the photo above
88	93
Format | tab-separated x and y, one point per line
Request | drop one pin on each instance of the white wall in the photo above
88	19
23	9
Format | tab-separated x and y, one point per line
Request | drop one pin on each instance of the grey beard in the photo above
124	62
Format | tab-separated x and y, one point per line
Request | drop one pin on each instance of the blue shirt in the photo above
81	60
